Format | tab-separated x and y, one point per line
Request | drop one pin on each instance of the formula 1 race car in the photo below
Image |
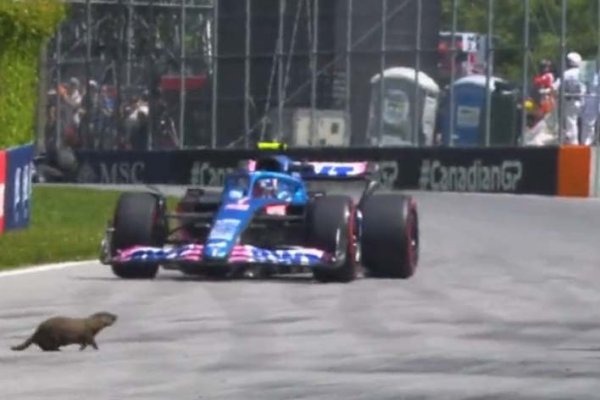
266	221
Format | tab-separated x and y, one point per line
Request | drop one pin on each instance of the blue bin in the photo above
469	111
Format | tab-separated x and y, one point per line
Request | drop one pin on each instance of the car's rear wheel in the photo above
331	222
390	235
138	221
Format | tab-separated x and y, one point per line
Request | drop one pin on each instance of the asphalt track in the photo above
504	306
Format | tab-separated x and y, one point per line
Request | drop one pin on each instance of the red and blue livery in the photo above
269	219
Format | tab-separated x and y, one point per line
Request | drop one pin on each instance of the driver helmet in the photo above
265	188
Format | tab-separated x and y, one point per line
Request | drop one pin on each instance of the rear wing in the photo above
319	170
328	170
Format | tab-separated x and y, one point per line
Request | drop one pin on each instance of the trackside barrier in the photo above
575	177
550	170
579	168
2	188
16	171
528	170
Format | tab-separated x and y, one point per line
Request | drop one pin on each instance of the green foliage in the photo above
66	224
25	25
582	33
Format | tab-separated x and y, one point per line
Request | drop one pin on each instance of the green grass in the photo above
67	224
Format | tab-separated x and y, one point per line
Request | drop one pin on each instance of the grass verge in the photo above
66	224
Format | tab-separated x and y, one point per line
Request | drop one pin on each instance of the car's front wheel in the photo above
331	222
138	221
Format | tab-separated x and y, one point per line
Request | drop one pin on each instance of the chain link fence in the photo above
114	75
143	74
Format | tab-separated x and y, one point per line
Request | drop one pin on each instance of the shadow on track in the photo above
295	279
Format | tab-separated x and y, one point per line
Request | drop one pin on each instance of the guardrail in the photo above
549	170
16	171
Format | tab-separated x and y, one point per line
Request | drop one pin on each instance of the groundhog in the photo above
62	331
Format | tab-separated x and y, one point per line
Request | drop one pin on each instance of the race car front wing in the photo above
241	254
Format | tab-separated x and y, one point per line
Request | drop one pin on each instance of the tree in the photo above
582	32
24	27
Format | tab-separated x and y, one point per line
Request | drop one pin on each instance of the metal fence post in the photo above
129	34
182	77
417	99
349	69
118	76
525	76
563	67
452	71
247	74
488	72
88	68
59	119
313	74
280	94
42	101
379	115
215	72
151	132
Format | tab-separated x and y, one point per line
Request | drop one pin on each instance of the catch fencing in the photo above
160	75
129	56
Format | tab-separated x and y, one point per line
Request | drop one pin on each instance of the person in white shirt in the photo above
589	112
573	89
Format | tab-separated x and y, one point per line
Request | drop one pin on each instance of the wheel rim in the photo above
412	236
352	247
346	244
356	237
340	246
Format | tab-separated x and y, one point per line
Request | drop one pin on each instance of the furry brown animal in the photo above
62	331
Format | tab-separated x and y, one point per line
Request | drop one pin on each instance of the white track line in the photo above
43	268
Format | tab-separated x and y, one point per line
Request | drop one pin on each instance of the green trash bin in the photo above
504	115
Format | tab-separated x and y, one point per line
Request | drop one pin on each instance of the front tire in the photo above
138	221
331	222
390	235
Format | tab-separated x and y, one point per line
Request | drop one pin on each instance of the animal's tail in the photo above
23	345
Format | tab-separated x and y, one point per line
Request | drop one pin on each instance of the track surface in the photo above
505	305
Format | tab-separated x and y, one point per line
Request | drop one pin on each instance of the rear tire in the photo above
390	235
331	222
138	221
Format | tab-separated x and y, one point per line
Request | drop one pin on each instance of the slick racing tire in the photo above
138	221
331	224
390	235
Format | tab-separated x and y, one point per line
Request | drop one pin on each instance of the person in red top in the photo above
543	85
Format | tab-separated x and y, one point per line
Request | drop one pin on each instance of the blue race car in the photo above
266	221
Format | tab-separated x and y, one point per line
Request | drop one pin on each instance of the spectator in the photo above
90	114
542	82
136	123
589	112
70	110
106	126
573	89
